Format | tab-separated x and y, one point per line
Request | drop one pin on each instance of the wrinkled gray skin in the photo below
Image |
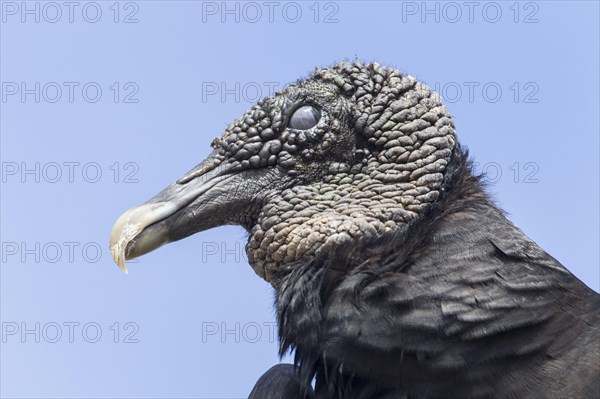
353	185
381	173
373	162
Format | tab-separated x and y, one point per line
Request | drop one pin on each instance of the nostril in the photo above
210	163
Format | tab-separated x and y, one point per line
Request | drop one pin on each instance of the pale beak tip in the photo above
118	257
123	267
130	224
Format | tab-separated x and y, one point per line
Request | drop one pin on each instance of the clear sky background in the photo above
124	108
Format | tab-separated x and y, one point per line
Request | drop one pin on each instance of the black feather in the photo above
460	304
281	382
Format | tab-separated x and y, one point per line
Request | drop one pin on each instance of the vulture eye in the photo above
305	117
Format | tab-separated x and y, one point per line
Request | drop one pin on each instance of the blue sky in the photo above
103	105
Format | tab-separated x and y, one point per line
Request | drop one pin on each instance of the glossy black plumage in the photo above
459	305
281	381
395	274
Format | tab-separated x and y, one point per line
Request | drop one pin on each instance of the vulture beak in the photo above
191	204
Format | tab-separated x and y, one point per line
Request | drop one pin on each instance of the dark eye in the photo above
305	117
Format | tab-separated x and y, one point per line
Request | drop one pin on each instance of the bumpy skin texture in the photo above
375	160
395	275
458	304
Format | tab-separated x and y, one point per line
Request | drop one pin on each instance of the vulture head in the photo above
395	274
352	151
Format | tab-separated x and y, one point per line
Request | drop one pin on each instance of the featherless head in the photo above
351	151
395	274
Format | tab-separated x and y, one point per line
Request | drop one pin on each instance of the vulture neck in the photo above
491	310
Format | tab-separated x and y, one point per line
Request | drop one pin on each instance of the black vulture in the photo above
395	275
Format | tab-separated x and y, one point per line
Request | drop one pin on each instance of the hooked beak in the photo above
212	194
143	229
